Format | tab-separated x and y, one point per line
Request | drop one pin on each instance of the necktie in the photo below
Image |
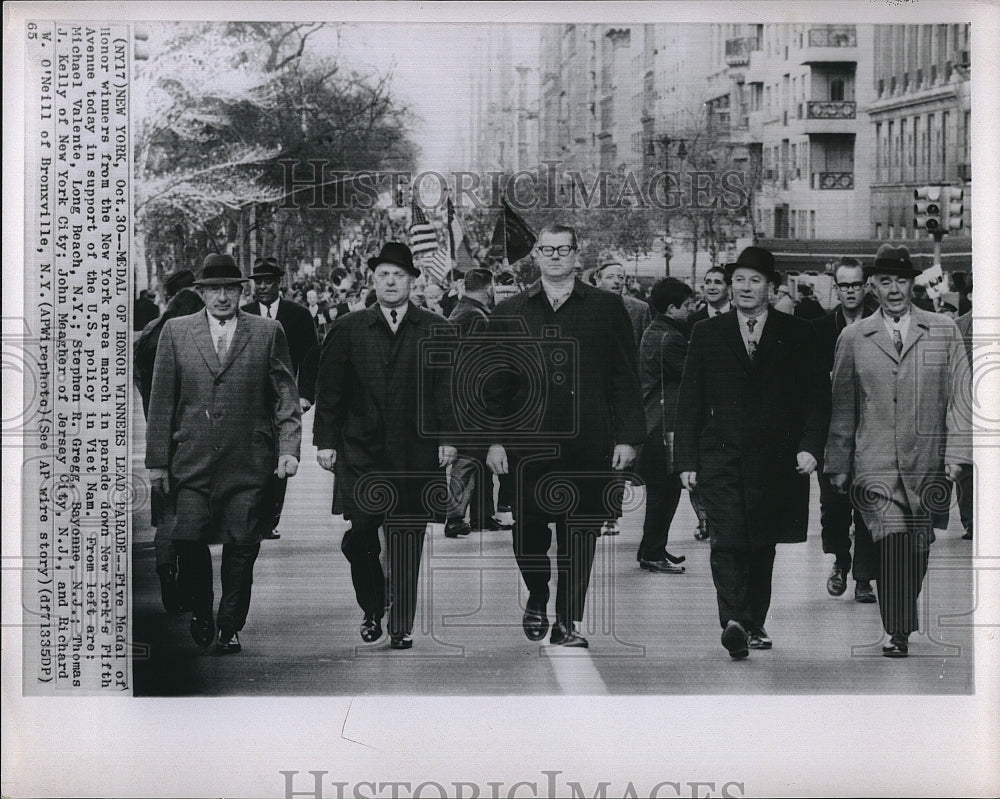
220	346
897	339
751	344
394	316
268	307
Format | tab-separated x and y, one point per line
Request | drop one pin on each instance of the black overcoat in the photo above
384	412
741	423
296	321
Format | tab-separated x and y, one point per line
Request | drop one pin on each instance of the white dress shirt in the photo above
218	330
270	311
715	312
400	313
758	328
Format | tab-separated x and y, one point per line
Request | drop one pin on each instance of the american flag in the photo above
423	237
435	264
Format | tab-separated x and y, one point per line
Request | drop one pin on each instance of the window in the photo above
879	151
812	224
892	232
878	230
837	90
945	116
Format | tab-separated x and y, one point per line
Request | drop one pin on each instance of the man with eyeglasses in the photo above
576	386
835	508
898	432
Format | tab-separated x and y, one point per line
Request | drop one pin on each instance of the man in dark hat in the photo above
898	432
382	422
223	416
751	416
144	311
453	285
300	333
181	279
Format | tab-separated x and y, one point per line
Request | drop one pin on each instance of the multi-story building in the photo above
920	117
504	134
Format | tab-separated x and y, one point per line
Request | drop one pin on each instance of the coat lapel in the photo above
768	340
241	337
917	329
873	328
203	341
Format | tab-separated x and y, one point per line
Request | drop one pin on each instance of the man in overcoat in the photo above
836	512
752	413
382	425
223	415
898	432
300	333
575	386
661	364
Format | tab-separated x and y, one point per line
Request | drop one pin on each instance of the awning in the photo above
813	255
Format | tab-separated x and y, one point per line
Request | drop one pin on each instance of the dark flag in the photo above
512	238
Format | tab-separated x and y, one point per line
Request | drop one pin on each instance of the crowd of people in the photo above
537	408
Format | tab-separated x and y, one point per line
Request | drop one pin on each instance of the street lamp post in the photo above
665	142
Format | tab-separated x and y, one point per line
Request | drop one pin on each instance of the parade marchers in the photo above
731	401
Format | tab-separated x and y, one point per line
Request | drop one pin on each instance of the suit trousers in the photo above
195	575
836	511
743	584
361	547
470	486
575	546
964	489
273	502
902	564
663	494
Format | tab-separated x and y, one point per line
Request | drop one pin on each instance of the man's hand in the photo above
446	456
689	480
304	404
806	463
496	459
839	482
622	457
326	458
288	465
158	481
952	471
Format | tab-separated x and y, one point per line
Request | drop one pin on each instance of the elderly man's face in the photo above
433	293
222	302
894	293
612	278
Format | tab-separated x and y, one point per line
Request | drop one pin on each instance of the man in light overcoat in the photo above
898	432
223	416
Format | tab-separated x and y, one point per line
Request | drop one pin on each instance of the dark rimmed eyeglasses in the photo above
850	286
565	249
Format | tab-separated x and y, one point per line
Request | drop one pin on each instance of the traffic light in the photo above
927	208
952	207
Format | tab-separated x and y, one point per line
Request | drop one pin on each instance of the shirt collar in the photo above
724	309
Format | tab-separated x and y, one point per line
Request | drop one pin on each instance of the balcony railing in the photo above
833	36
738	50
831	109
833	180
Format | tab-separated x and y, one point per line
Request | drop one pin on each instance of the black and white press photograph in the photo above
538	368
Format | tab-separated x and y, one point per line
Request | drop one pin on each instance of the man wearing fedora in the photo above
381	427
224	414
300	333
897	432
752	412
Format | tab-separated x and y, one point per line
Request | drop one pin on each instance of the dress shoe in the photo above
566	635
401	642
170	593
864	593
734	639
371	628
492	525
610	528
759	639
968	535
898	647
456	527
274	535
836	584
701	534
661	566
228	643
535	622
504	517
202	629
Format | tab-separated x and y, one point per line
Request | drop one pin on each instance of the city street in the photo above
649	633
